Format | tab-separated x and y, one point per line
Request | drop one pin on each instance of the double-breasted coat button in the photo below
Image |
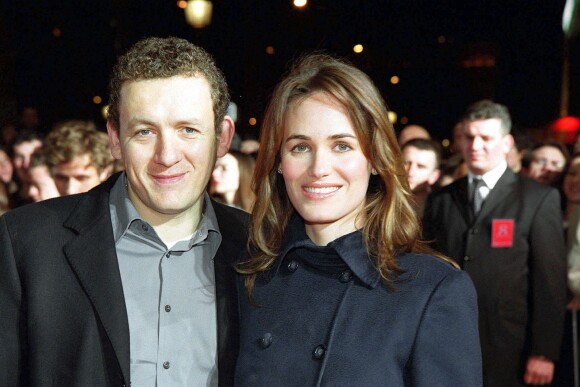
266	340
319	352
467	258
166	365
292	266
345	276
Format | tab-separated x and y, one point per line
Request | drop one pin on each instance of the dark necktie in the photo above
477	199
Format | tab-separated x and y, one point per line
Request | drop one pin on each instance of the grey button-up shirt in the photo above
170	297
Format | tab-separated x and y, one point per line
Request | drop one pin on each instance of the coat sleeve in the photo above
446	351
548	277
10	311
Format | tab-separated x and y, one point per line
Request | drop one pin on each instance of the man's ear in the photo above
226	136
434	176
106	172
508	143
114	140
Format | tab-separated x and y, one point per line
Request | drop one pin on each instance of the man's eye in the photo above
189	130
144	132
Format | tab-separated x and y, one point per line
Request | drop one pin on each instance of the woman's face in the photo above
225	177
323	166
6	169
572	181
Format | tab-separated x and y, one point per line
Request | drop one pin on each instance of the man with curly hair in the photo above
78	156
132	282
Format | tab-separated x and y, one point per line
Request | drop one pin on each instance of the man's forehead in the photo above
413	153
487	126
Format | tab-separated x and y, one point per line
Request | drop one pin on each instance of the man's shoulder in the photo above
449	189
59	209
233	222
227	215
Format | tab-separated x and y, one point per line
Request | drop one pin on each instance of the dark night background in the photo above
447	53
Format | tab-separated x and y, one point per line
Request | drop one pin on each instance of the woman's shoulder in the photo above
425	266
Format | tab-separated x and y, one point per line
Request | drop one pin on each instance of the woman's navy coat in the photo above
325	317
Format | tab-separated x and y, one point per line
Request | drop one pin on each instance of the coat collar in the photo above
350	248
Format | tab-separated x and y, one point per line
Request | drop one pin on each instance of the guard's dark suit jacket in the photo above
521	289
63	320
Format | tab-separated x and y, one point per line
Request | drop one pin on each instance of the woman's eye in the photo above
343	147
300	148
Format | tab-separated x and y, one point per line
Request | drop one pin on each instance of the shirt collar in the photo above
491	177
350	248
123	212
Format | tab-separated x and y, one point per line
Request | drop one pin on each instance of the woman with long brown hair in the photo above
339	288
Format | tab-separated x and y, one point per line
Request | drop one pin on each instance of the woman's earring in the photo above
374	172
280	169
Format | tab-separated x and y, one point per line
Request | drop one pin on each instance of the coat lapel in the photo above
498	194
93	257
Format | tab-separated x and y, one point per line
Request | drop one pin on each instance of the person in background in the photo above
29	119
410	132
24	145
505	231
78	156
4	199
249	146
7	169
548	163
41	185
519	152
231	180
132	282
340	291
422	158
571	187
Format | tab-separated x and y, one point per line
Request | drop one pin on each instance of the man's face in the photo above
547	165
41	185
78	175
21	157
6	168
421	168
484	145
167	144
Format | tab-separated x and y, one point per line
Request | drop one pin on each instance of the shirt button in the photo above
168	308
345	276
168	254
145	227
166	365
292	266
266	340
319	352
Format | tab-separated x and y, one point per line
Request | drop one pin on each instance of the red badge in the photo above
502	233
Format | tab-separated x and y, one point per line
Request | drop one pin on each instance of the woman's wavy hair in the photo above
390	223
